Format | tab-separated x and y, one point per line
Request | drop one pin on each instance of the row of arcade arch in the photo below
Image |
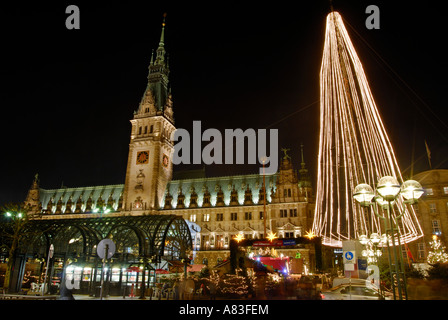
143	245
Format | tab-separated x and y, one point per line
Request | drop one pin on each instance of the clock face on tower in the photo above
142	157
165	161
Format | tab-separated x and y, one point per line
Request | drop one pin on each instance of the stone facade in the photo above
432	211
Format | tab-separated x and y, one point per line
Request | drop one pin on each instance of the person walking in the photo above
212	288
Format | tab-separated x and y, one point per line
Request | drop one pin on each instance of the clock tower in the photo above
149	166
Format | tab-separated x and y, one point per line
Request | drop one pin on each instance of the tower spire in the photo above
156	93
303	160
303	171
160	57
162	35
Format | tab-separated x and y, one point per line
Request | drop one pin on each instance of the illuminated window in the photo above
421	250
193	217
429	192
445	190
436	229
206	217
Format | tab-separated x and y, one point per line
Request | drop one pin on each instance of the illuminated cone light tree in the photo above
437	253
353	146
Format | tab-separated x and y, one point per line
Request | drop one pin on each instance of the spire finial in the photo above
162	36
303	159
152	58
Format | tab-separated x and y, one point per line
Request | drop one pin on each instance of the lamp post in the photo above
388	190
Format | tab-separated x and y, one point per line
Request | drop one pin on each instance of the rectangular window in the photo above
404	253
192	217
248	215
432	208
139	130
146	129
289	234
233	216
293	212
445	190
219	217
429	192
436	229
261	215
421	250
206	217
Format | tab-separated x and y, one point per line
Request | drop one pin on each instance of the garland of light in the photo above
437	254
354	147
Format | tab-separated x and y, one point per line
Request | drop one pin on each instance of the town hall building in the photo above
216	209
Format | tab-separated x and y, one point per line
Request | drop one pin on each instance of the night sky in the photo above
67	95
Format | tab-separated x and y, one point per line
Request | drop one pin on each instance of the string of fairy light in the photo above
353	145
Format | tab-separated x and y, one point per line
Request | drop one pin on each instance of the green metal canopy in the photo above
151	236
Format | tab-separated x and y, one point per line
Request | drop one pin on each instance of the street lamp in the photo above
411	190
363	194
14	214
388	189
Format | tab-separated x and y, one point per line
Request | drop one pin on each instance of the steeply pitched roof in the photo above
227	184
239	182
